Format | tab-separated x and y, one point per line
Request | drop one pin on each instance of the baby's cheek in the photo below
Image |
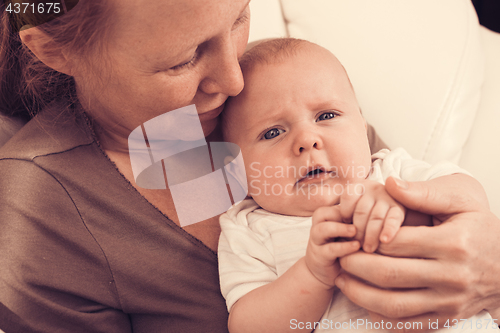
255	180
254	188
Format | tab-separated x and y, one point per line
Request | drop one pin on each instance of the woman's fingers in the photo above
428	197
418	242
396	303
387	272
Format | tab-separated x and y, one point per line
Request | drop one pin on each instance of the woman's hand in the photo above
442	272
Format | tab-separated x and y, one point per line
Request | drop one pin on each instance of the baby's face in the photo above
301	132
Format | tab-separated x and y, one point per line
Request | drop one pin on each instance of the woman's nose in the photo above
307	140
224	75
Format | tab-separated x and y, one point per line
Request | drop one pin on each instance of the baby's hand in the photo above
323	248
376	215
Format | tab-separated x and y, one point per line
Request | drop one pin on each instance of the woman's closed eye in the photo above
242	19
272	133
326	116
186	64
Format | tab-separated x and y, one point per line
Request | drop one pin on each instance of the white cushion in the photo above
266	20
480	155
416	66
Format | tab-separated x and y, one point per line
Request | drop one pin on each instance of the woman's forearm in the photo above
295	297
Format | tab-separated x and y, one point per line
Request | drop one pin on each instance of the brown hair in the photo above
26	84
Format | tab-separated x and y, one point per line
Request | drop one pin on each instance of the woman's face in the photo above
163	55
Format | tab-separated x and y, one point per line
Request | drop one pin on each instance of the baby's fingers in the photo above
393	221
334	250
374	226
326	232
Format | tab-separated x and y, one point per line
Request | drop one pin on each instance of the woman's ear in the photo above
46	50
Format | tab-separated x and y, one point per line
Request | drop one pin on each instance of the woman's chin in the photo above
209	127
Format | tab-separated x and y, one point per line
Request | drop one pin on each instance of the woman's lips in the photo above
209	115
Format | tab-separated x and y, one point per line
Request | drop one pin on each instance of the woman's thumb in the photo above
425	197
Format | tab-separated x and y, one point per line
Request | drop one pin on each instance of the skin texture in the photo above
285	100
161	56
309	106
293	115
454	265
306	106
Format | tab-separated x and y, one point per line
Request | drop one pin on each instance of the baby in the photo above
309	174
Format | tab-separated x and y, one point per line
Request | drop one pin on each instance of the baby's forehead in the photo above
254	68
255	65
262	56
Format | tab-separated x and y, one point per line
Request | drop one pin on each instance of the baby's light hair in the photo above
271	51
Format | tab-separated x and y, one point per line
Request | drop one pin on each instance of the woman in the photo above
84	249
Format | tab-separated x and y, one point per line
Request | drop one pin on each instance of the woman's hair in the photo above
26	84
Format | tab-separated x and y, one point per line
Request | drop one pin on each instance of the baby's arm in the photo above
304	291
376	215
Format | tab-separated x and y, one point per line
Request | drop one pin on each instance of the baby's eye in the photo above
326	116
272	133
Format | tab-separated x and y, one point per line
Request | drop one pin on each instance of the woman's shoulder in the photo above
55	130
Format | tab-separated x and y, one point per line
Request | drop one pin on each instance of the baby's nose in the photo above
307	140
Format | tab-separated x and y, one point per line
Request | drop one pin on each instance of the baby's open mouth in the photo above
315	174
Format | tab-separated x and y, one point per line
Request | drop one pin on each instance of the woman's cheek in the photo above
177	92
242	41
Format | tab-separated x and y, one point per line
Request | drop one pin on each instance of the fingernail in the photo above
401	183
384	239
340	282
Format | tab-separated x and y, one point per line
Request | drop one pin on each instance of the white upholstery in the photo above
425	72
